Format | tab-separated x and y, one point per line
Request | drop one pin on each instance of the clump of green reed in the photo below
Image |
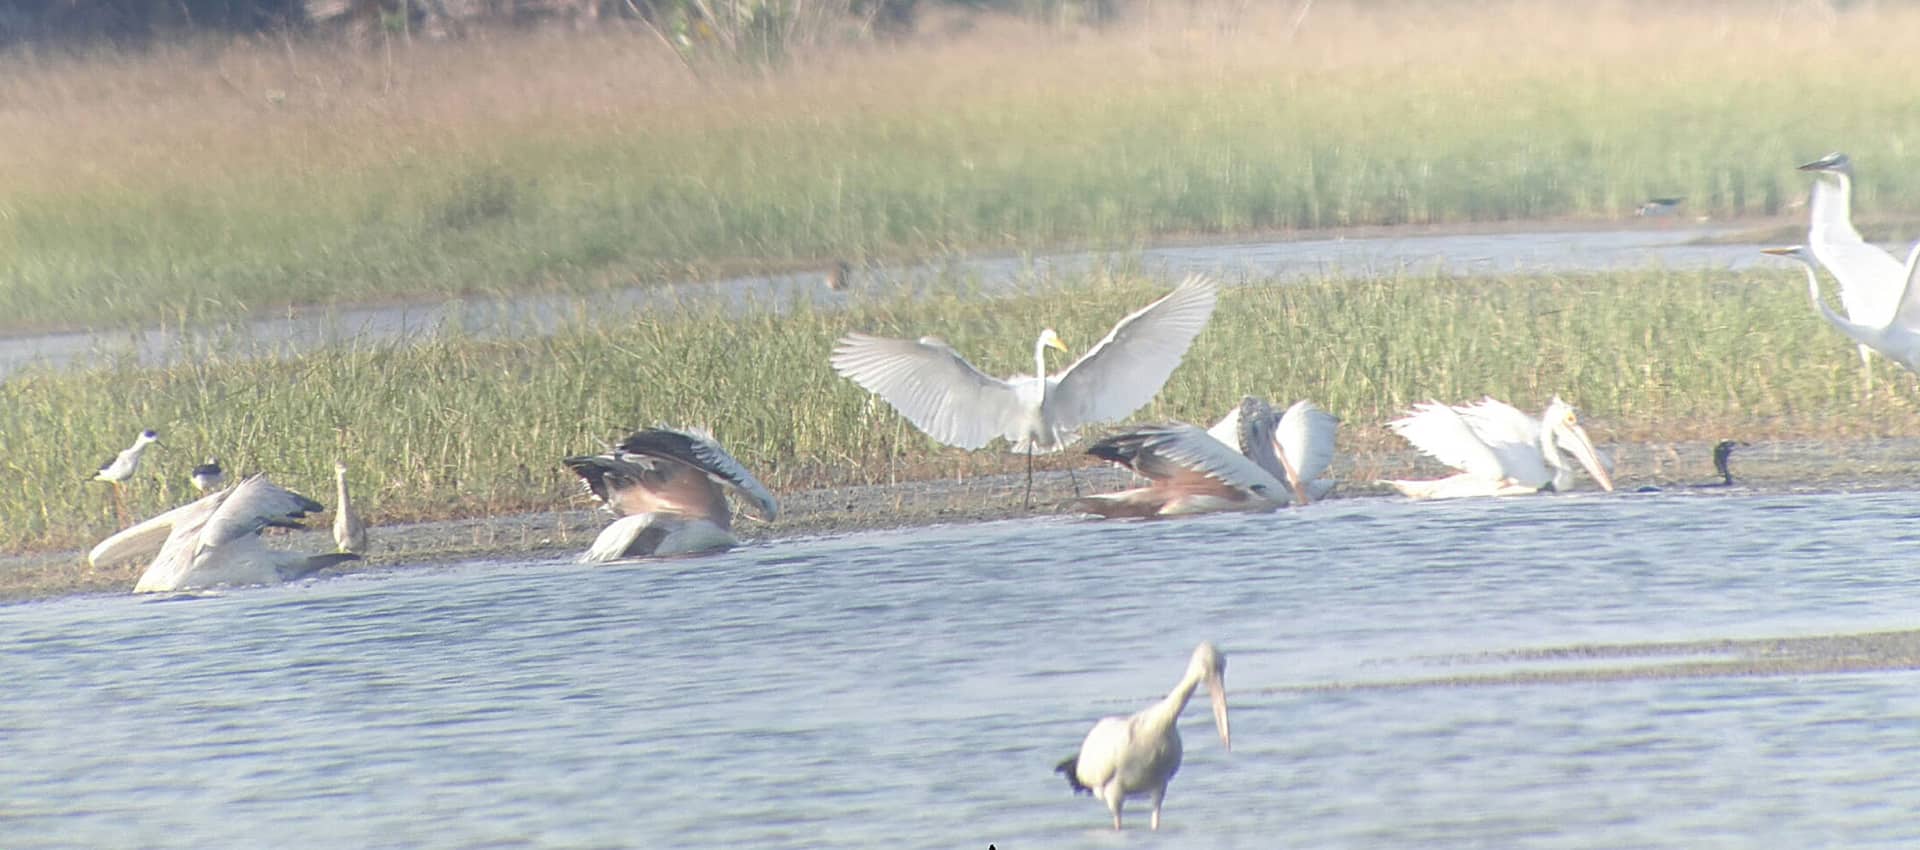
463	426
334	196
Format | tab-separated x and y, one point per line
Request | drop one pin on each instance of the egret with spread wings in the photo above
1137	756
216	540
1498	450
1898	337
668	488
1870	278
956	404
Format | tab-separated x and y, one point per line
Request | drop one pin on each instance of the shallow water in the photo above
914	689
1451	254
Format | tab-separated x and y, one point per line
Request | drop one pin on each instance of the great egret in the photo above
208	476
956	404
1898	337
1498	450
1137	756
666	487
1189	472
349	531
1870	278
1295	447
119	470
216	540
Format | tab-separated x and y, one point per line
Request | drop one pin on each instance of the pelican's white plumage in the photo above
1137	756
1295	446
1498	450
1870	278
1898	338
665	485
216	540
943	395
1188	472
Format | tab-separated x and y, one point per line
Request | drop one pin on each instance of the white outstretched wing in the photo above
1304	438
1512	436
933	387
1129	366
144	539
1441	433
1907	313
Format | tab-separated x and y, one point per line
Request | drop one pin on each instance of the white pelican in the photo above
216	540
665	485
1498	450
1295	446
956	404
1898	336
1137	756
1188	472
208	476
349	531
1870	278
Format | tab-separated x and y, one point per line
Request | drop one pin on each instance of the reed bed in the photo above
458	426
215	179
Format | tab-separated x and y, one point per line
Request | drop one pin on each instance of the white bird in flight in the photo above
1498	450
956	404
215	540
1870	278
665	486
1137	756
1898	337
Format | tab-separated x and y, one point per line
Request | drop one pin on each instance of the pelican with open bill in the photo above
669	489
216	540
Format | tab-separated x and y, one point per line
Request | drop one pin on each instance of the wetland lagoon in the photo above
899	661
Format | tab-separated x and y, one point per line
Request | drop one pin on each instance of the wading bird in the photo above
1722	454
1498	450
1188	472
665	486
956	404
208	476
1898	337
119	470
349	530
216	540
1870	278
1295	447
1137	756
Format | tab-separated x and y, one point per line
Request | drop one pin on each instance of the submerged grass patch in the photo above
212	180
460	426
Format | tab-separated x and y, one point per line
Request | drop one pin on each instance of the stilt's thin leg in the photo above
1076	482
119	506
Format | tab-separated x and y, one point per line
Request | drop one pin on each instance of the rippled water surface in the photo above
915	688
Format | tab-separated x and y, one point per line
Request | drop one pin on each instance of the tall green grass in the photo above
287	186
459	426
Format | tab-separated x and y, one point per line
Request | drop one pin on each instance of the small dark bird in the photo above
1659	207
1722	451
209	475
838	276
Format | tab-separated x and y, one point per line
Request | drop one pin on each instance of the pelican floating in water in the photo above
216	540
1498	450
1898	336
349	530
1188	472
1137	756
208	476
666	488
1295	447
1870	278
956	404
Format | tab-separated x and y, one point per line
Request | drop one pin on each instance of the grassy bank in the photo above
217	179
460	427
